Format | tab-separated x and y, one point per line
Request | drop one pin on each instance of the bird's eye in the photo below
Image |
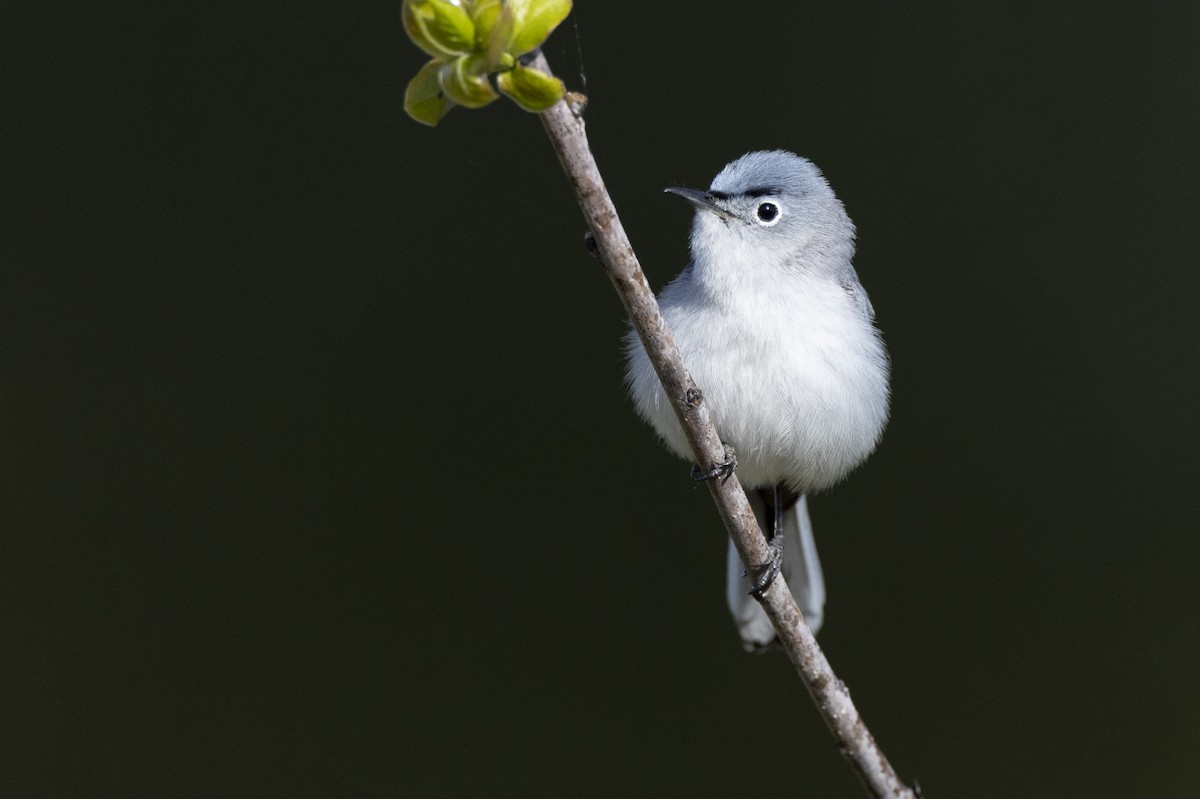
768	214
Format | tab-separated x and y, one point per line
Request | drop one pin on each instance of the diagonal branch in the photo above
564	125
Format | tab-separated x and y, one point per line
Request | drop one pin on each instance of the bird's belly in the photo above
802	412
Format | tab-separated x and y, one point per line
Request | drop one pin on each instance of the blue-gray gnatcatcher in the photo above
777	331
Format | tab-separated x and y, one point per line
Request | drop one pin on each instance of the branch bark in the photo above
564	125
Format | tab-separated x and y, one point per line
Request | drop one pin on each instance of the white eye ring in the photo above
768	214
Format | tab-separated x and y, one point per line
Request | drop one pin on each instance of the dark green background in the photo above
318	477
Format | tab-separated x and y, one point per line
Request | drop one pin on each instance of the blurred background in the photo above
318	474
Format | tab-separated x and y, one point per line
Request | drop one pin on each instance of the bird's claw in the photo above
721	471
764	573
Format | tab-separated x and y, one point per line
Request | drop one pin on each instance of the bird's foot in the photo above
764	573
720	471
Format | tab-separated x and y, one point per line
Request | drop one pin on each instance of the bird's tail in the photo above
801	569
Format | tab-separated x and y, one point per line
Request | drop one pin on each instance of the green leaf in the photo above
493	30
439	27
484	13
532	89
465	81
533	21
424	99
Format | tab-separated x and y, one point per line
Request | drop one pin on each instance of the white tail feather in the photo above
801	569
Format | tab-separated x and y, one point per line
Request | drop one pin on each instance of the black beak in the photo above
701	199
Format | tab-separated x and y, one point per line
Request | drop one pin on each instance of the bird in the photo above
776	329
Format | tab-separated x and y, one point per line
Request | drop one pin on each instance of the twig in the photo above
564	125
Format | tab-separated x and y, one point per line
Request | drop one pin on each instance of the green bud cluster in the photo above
470	40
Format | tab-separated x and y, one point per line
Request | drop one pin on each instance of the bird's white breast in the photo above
793	371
